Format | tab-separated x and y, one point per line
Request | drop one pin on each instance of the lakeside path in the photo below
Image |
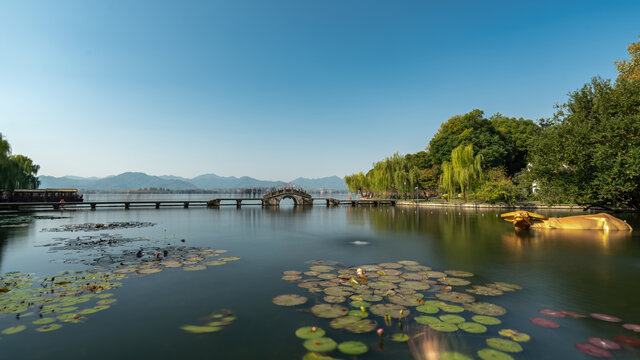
505	206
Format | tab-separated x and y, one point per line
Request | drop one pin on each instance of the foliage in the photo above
463	172
590	152
16	171
497	187
475	129
630	69
521	134
393	174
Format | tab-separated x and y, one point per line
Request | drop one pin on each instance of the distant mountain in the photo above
137	180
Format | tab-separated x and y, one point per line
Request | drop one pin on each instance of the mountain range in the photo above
138	180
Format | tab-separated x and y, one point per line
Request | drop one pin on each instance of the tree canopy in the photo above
16	171
630	69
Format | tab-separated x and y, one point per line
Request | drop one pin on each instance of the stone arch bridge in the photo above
273	198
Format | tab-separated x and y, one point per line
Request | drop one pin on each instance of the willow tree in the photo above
463	172
16	171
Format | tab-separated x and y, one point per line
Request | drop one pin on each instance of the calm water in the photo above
583	272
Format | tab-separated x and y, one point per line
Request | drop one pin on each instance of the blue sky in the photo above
279	89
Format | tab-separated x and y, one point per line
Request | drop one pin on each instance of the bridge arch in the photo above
300	197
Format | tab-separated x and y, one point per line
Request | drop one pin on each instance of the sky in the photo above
282	88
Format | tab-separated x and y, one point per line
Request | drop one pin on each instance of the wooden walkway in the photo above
127	204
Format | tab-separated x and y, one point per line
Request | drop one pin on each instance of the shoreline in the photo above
509	206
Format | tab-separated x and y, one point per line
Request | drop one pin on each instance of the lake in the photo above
126	293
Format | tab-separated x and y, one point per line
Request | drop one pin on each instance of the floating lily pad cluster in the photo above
212	323
70	296
318	344
49	302
596	347
100	226
358	299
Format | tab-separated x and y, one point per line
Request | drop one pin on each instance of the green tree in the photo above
521	134
630	69
16	171
590	152
497	187
475	129
463	172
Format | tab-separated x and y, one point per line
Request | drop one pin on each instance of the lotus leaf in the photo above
483	308
360	303
361	326
311	273
329	283
370	267
329	310
289	300
63	310
358	314
14	329
218	263
504	345
451	308
337	291
459	273
194	268
514	335
444	327
485	290
408	262
307	284
434	274
491	354
341	322
452	355
291	272
392	272
321	344
391	278
544	322
310	332
390	265
404	300
231	258
352	348
106	301
415	285
426	320
44	321
102	296
194	329
290	277
393	310
452	319
149	271
335	299
413	276
371	297
472	327
592	350
428	309
456	297
316	356
382	285
88	311
49	327
321	268
486	320
506	286
400	337
417	268
454	281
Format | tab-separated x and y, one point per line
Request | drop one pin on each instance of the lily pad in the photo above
605	317
472	327
335	299
329	311
194	329
405	300
321	344
428	309
337	291
504	345
352	348
341	322
454	281
390	265
485	290
289	300
14	329
604	343
483	308
361	326
149	271
358	313
456	297
459	273
552	313
291	272
194	268
415	285
44	321
400	337
452	319
393	310
592	350
451	308
505	286
426	320
491	354
515	335
310	332
321	268
106	301
230	258
544	322
452	355
444	327
48	327
371	297
218	263
358	304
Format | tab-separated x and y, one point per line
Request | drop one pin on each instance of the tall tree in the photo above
521	134
16	171
630	69
475	129
590	152
463	172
